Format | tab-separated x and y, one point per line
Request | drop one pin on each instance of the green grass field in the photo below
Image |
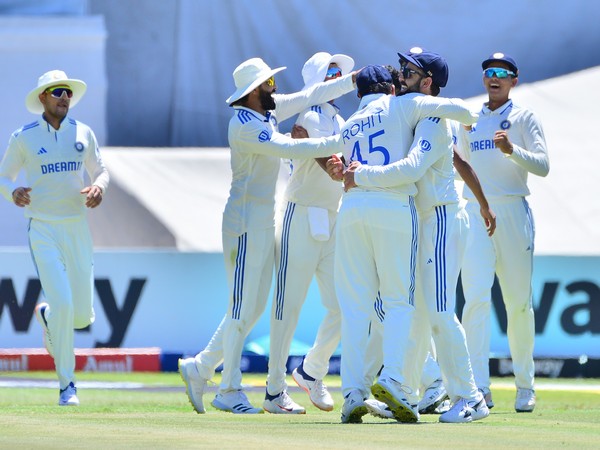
159	416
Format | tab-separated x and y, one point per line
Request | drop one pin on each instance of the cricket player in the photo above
376	239
55	151
504	146
248	219
304	244
443	228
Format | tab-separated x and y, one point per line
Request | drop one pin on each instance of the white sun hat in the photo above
250	74
49	79
316	67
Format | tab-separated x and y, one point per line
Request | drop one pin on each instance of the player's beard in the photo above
409	89
266	100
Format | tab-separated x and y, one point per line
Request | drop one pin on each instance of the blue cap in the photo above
432	64
498	56
370	75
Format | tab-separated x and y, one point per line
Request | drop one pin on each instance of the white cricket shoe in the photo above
68	396
194	383
235	402
282	404
434	396
378	409
392	393
463	411
487	395
353	408
525	401
443	407
41	313
316	390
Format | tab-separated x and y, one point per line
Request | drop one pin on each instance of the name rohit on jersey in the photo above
359	127
62	166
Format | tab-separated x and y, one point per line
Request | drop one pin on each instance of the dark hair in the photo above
395	73
377	88
435	89
241	101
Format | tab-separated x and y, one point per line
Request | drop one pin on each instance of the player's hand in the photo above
21	196
93	196
501	141
355	73
335	168
349	175
489	217
299	132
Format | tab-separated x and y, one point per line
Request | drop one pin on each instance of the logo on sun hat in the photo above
49	79
315	69
433	64
499	56
249	75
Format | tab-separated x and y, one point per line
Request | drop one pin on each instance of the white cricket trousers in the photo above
62	252
375	253
249	266
299	257
508	253
443	236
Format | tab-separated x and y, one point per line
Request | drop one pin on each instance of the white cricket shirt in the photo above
54	163
381	132
309	184
499	174
256	149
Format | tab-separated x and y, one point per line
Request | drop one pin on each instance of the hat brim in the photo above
245	90
32	101
488	62
410	59
344	62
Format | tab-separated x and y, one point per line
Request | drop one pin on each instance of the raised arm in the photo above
287	105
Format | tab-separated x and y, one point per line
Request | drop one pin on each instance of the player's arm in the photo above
257	139
287	105
534	156
98	174
12	162
418	106
432	139
469	176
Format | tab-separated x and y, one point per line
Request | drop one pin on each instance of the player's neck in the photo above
495	103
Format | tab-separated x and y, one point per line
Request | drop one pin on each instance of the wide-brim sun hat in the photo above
54	78
249	75
316	67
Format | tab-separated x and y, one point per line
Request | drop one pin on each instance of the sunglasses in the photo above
407	73
271	82
334	72
497	72
57	92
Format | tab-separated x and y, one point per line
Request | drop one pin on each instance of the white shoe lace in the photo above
319	388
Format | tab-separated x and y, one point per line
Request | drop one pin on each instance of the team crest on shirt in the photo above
263	136
425	145
505	124
79	146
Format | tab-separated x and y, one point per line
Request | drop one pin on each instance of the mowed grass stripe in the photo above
115	419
